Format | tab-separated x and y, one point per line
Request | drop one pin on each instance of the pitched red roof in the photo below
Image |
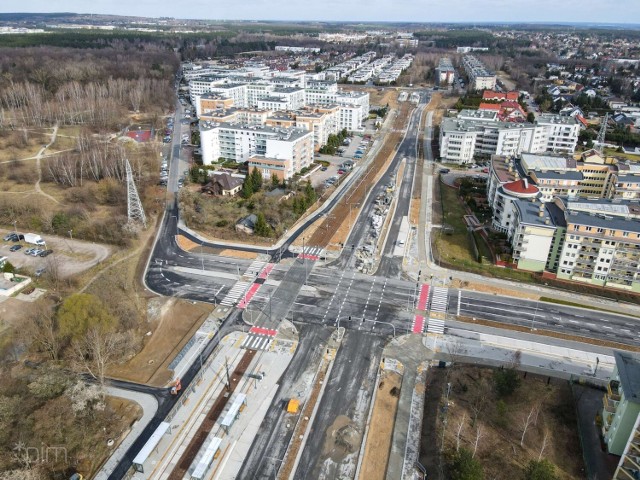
489	106
521	187
582	120
491	95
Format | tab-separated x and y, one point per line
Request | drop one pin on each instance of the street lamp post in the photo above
202	253
15	226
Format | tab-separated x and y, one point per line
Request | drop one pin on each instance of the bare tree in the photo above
54	270
40	329
459	431
96	352
480	433
526	422
545	442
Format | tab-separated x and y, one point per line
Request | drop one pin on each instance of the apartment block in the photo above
480	78
562	132
445	73
537	235
480	132
620	413
602	244
283	151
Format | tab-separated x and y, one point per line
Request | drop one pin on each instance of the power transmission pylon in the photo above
134	205
601	134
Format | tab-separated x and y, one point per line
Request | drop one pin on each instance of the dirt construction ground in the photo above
374	464
336	221
74	256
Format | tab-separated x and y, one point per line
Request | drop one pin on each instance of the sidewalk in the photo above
411	352
149	407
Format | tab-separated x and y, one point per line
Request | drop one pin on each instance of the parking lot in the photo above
350	153
69	256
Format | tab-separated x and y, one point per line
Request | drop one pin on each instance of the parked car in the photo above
9	236
15	248
340	172
29	250
36	252
45	253
40	271
323	169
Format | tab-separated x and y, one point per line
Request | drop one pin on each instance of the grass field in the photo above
456	249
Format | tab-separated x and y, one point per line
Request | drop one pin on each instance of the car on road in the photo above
45	253
180	182
15	248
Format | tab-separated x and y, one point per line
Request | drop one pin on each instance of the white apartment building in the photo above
445	73
479	77
562	132
239	142
478	132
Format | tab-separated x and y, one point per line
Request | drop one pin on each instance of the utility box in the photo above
293	406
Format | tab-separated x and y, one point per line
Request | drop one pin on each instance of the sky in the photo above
590	11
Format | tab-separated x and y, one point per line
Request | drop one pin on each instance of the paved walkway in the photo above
411	352
149	407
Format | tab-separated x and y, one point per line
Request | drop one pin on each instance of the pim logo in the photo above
44	454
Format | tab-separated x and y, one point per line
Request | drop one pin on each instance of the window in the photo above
588	229
625	234
600	230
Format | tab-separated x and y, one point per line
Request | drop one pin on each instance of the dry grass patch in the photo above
475	410
238	254
172	323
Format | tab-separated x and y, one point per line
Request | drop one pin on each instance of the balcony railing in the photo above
609	404
613	390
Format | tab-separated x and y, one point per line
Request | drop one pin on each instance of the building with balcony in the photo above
620	412
629	465
481	133
283	151
480	78
537	235
504	204
602	244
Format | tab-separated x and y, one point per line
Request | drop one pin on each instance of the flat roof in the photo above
229	418
629	372
152	443
207	458
547	162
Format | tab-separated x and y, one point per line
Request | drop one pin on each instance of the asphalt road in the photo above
270	443
370	307
343	410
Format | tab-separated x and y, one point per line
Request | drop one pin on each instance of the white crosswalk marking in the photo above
255	268
439	299
235	294
257	342
435	326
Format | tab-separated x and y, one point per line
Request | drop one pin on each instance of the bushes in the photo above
463	466
506	381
